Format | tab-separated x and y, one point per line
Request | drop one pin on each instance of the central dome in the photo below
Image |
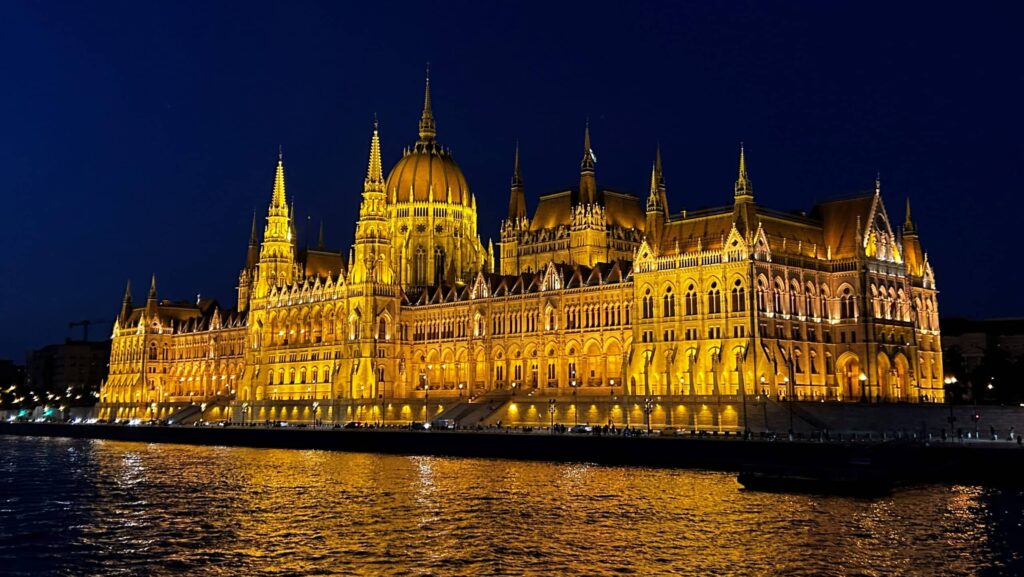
427	172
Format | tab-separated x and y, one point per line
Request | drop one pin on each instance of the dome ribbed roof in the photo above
427	165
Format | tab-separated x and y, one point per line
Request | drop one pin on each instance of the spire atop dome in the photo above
744	188
428	130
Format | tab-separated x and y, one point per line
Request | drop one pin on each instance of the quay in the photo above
973	462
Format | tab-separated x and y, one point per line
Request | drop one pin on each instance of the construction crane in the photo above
85	327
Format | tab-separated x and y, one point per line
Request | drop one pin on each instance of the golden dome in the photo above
427	166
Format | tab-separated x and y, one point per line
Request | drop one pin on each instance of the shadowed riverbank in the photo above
993	463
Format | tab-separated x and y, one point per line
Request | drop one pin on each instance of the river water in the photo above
79	507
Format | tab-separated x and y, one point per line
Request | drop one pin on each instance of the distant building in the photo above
598	294
971	338
71	372
12	379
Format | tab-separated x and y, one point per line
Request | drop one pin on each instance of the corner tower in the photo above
277	253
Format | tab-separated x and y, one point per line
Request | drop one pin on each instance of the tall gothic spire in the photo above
126	303
660	177
878	183
278	198
654	196
588	182
152	288
744	188
908	223
587	163
374	172
517	200
252	232
428	130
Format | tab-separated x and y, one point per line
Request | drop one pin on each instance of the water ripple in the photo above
107	508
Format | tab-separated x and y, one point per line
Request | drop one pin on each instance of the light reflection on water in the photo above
105	508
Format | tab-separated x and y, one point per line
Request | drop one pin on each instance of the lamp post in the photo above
764	402
648	409
423	385
551	411
575	407
316	409
863	383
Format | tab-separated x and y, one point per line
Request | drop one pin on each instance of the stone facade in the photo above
598	297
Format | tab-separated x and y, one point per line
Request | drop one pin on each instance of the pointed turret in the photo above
151	300
126	304
588	182
252	254
490	255
278	199
517	199
744	189
372	246
655	209
320	237
913	255
662	192
277	253
428	129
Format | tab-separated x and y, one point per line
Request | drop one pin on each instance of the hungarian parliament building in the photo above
600	298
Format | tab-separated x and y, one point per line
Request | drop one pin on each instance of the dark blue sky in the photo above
139	137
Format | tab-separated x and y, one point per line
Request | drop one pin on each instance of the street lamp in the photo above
575	407
648	409
551	411
316	409
863	380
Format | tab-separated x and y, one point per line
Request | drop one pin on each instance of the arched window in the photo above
714	299
777	298
302	375
691	301
152	351
739	297
669	302
648	305
762	299
291	376
847	310
419	266
438	265
794	296
314	375
809	301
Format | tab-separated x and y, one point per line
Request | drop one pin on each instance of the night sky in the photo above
139	137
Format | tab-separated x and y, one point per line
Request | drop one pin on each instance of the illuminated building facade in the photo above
597	295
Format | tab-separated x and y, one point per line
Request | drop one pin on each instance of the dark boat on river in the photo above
858	478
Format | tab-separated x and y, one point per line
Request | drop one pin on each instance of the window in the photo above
691	301
669	302
739	297
648	305
847	310
714	300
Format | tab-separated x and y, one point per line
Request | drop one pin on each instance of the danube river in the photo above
79	507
